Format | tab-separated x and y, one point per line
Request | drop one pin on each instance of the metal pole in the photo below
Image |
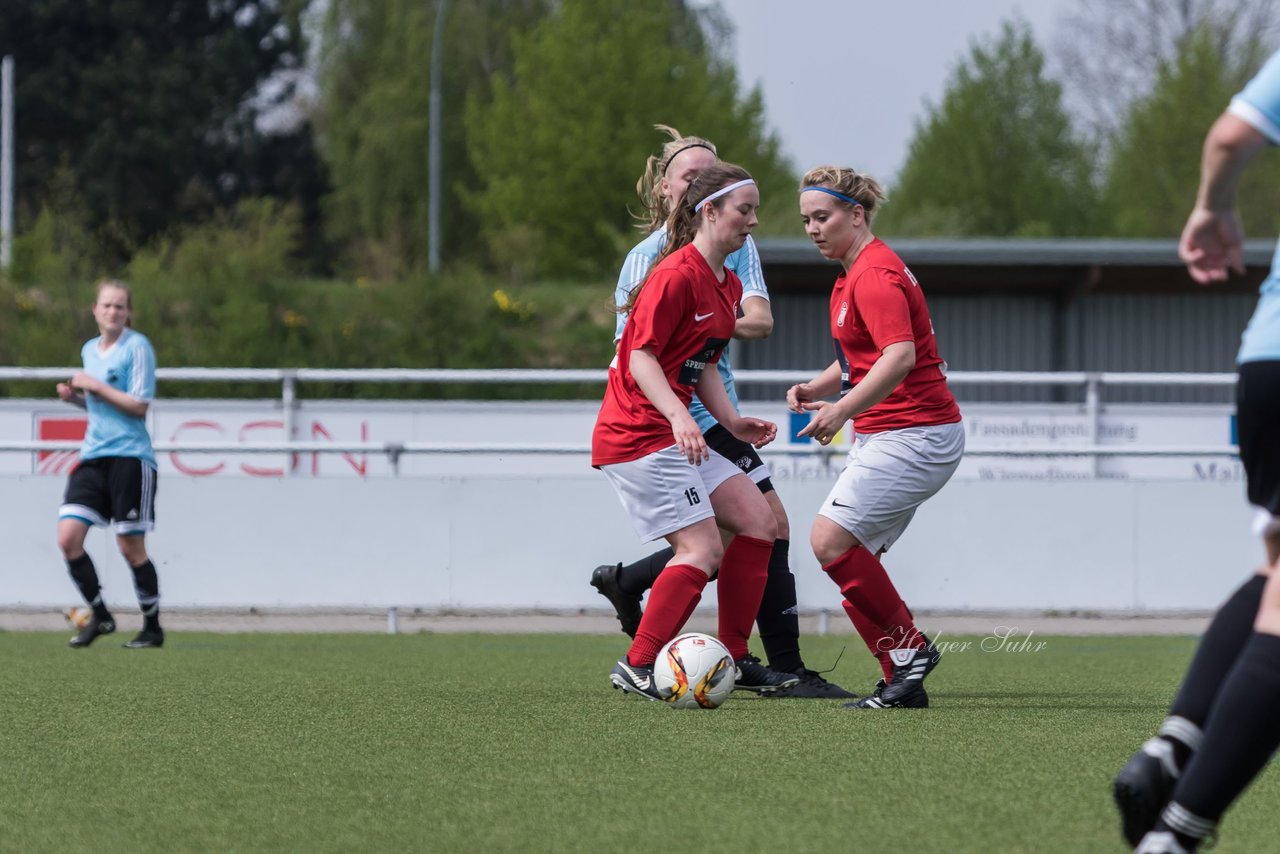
1093	414
289	415
6	162
433	144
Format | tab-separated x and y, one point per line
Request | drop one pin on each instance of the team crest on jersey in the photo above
844	309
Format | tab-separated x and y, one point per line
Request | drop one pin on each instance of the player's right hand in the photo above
798	395
689	439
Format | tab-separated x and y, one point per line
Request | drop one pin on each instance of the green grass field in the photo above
483	743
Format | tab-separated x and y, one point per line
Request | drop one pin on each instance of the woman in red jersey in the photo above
651	449
908	441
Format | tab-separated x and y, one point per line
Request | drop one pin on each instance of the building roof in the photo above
1017	264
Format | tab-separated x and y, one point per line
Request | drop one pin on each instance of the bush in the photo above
227	294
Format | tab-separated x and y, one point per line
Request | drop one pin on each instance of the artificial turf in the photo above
492	743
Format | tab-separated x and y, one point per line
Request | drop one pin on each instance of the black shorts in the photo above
741	454
1258	425
112	489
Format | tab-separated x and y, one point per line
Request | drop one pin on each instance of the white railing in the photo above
289	378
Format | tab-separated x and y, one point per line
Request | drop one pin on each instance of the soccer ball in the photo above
694	671
78	617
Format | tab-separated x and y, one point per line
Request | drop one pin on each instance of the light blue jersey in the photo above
745	263
1259	105
130	366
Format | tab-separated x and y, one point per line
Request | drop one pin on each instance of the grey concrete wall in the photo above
524	542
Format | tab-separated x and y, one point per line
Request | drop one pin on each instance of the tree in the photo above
559	146
998	156
1155	162
148	110
1111	51
374	80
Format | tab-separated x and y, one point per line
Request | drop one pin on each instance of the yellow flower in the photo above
507	305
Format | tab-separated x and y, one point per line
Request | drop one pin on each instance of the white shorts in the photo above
663	493
887	476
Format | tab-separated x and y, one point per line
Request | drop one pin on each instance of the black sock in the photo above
86	579
147	586
636	578
1221	645
1183	737
779	618
1242	734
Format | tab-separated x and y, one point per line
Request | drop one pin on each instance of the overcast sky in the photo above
844	81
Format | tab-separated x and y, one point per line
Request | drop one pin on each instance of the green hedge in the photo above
228	294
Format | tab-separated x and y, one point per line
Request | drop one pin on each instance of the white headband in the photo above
723	191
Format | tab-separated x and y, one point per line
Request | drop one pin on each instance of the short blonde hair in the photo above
862	188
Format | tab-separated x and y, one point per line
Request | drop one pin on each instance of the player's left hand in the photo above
826	422
1212	245
759	433
84	382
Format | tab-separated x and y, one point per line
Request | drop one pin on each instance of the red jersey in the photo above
687	317
877	303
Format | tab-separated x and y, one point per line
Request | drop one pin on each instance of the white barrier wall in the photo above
528	541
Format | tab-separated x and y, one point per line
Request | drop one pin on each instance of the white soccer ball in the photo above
694	671
78	617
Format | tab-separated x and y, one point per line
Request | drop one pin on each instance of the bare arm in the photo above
823	385
895	362
75	397
647	373
1212	240
712	393
126	403
756	321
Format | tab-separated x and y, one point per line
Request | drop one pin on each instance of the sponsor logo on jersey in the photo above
691	370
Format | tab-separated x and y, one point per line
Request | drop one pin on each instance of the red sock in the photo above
862	579
871	636
671	600
743	574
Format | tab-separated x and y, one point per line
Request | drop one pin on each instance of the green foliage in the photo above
147	107
213	294
229	293
38	320
998	156
561	143
375	78
1155	164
